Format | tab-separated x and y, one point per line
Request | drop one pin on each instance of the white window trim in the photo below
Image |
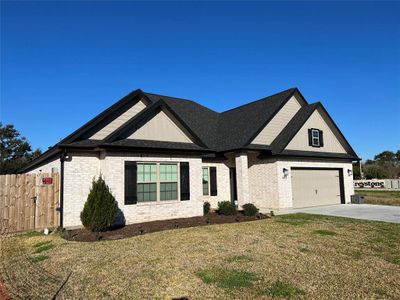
158	191
315	137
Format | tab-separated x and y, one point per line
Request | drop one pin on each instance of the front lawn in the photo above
294	256
380	197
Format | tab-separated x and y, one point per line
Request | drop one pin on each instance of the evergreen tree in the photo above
100	210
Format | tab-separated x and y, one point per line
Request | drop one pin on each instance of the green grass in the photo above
39	258
31	233
238	258
304	250
226	278
44	247
298	219
324	232
283	290
40	244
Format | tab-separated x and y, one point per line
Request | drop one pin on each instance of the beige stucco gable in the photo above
118	122
162	127
279	121
333	141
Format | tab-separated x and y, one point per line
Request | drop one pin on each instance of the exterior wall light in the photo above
350	172
285	172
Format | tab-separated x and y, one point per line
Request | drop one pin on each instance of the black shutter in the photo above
213	181
309	137
185	182
130	182
321	138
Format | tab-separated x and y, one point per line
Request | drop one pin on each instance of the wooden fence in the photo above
28	201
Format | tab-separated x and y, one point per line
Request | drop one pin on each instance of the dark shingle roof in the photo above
218	132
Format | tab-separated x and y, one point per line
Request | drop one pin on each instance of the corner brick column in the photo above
242	179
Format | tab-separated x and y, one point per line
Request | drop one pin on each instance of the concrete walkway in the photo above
383	213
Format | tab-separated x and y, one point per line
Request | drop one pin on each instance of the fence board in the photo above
18	211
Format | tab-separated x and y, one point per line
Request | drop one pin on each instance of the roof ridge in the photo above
265	98
184	99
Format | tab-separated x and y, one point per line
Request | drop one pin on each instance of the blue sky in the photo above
64	62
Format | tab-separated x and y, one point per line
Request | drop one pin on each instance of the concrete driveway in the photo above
383	213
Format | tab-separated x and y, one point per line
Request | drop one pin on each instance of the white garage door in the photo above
313	187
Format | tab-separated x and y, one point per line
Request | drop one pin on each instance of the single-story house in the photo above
163	157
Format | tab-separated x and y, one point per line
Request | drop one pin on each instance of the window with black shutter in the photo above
315	138
130	182
213	181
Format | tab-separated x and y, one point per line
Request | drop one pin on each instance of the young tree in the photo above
100	210
15	150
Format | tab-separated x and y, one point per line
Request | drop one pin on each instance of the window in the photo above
168	182
206	183
146	182
315	137
157	181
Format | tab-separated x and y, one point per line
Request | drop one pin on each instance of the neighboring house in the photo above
162	157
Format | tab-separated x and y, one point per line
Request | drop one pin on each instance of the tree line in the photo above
384	165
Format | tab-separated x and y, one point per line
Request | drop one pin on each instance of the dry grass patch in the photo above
229	261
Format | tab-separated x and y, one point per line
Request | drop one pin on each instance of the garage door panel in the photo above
313	187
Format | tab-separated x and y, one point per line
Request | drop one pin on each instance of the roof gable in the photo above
279	121
162	127
295	135
119	121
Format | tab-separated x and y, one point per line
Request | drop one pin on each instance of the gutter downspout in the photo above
62	159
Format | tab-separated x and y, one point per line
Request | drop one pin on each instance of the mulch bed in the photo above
4	295
83	235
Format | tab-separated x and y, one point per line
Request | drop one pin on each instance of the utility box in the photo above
357	199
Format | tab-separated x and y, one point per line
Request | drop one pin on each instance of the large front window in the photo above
157	182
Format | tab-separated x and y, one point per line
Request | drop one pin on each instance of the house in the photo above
162	157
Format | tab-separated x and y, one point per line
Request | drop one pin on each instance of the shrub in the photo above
226	208
250	209
206	207
100	210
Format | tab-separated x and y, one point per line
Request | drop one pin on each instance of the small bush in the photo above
206	207
250	209
100	210
226	208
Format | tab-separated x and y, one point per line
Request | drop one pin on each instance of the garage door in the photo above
313	187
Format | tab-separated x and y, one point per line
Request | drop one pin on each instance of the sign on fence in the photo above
369	184
27	202
378	184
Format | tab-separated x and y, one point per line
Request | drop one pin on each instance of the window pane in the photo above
168	191
205	182
168	172
147	172
146	192
315	133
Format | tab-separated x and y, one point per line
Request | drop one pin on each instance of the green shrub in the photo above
206	207
250	209
226	208
100	210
